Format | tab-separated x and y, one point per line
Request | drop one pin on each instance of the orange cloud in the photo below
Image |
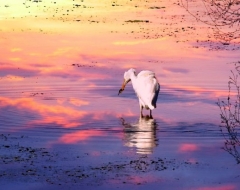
136	42
78	102
15	59
13	78
57	114
78	136
65	51
15	49
58	120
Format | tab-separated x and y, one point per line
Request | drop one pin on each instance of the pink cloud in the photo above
18	71
74	74
78	136
197	91
223	187
176	70
188	147
61	115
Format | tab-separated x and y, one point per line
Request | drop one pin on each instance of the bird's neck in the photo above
133	78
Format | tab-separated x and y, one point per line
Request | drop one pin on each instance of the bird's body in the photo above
145	86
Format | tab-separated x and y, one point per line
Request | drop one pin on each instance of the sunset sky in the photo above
62	122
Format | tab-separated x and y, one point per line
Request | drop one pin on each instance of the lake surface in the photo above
62	123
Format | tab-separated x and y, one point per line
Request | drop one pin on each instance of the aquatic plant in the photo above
230	115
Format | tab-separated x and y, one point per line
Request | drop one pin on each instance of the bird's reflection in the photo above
141	135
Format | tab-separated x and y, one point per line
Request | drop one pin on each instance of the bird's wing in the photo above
148	88
145	73
156	89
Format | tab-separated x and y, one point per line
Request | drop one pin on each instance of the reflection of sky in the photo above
62	66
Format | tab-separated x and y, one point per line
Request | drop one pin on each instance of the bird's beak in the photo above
123	86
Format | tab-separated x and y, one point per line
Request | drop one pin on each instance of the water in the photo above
62	123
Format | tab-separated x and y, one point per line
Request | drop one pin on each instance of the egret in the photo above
146	87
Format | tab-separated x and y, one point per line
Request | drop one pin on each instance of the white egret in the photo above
146	87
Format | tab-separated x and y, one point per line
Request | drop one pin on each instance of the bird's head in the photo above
126	79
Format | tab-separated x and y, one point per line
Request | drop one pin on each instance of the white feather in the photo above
146	86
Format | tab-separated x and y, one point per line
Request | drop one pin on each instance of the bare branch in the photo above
224	15
230	115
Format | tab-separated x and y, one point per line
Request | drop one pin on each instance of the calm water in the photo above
62	124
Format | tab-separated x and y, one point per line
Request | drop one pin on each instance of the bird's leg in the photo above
151	114
141	108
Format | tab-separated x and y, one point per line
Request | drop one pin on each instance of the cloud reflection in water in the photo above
141	135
